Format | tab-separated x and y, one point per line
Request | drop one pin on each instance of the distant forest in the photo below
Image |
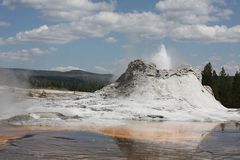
72	80
226	89
71	84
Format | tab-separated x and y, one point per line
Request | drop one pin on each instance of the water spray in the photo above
162	59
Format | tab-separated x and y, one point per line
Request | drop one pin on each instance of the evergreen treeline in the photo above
72	84
226	88
71	80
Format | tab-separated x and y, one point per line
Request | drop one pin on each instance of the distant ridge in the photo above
76	80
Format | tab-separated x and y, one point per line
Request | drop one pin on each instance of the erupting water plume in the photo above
162	59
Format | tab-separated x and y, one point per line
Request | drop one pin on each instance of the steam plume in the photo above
162	59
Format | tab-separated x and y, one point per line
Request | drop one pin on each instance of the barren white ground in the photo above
177	98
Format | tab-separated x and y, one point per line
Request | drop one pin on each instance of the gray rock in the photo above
24	119
136	68
138	72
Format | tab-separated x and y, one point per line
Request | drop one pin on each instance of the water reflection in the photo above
190	133
237	125
224	142
222	125
214	145
141	150
138	141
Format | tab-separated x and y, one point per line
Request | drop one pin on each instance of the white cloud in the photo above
4	24
60	33
207	33
54	34
215	58
193	11
101	69
25	54
94	26
233	54
110	40
62	10
231	67
65	68
178	19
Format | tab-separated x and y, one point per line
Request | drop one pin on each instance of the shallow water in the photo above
190	141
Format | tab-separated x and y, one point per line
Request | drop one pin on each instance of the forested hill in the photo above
226	88
75	80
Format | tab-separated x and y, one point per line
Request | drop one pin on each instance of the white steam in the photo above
162	59
12	98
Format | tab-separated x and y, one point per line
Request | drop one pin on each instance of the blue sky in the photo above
103	36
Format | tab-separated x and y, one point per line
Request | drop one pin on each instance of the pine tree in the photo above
215	85
236	91
222	72
224	88
207	75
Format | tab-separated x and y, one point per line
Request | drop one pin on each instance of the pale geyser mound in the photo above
168	94
143	93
